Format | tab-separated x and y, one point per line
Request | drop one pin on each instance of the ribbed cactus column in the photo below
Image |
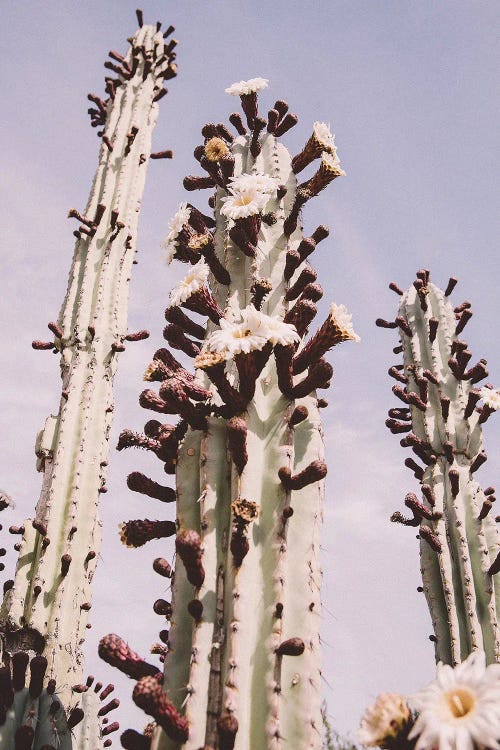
46	608
441	416
242	667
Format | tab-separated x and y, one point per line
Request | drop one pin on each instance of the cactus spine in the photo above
459	541
46	609
242	667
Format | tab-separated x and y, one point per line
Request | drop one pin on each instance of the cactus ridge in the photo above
242	664
442	425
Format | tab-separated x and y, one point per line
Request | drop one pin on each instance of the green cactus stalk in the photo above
45	608
441	418
242	664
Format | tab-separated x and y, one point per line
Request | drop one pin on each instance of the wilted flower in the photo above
460	710
242	88
384	720
215	149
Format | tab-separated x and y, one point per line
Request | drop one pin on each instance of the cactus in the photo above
441	421
45	608
242	664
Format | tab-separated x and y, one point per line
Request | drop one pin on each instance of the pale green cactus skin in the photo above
49	729
73	447
463	596
226	664
269	574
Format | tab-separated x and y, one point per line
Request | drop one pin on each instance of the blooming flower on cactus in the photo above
190	284
460	710
175	225
242	88
491	397
383	721
324	137
343	322
243	203
274	330
263	183
249	331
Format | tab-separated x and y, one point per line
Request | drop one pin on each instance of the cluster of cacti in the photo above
242	656
441	417
241	653
46	606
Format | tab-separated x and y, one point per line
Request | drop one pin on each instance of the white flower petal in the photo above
491	397
460	710
251	86
190	284
343	320
244	203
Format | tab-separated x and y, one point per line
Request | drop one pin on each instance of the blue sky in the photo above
411	91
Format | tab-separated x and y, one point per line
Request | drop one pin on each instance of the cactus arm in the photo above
52	590
459	584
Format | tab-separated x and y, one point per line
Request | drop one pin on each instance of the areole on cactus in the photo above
242	665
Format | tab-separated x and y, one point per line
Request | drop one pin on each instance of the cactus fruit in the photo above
440	419
46	608
242	667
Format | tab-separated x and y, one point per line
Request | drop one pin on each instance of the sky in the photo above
411	92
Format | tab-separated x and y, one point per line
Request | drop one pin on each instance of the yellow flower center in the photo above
460	702
244	199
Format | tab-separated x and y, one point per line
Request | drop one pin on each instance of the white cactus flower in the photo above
263	183
384	720
275	330
244	203
234	338
343	321
195	280
175	225
242	88
460	710
324	136
491	397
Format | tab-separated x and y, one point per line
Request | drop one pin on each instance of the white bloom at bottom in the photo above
491	397
190	284
383	720
242	88
460	710
343	320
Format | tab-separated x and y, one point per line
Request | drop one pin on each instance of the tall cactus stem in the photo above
51	594
459	539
